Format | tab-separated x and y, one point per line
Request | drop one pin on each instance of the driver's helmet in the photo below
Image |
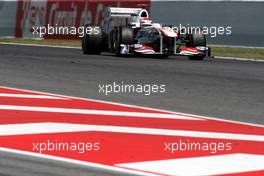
144	21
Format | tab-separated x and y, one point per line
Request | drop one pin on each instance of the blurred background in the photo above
18	17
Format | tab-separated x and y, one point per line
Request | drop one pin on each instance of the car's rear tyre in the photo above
123	35
92	42
126	35
111	40
196	40
116	43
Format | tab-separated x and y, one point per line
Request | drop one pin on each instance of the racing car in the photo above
130	31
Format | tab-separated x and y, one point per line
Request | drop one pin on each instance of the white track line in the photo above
40	128
198	166
30	96
239	46
96	112
47	46
240	59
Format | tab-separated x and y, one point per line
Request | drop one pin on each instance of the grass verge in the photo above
251	53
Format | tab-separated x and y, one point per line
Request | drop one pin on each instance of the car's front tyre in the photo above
196	40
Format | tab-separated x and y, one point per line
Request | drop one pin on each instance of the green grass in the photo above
252	53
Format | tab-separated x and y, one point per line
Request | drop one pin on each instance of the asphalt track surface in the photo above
226	89
20	165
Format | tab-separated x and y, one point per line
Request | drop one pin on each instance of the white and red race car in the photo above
128	31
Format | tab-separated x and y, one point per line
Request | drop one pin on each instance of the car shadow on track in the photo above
153	57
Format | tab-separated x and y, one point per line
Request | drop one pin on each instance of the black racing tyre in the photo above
116	43
111	39
195	40
92	43
126	35
123	35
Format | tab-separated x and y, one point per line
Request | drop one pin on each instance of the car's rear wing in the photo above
118	16
127	12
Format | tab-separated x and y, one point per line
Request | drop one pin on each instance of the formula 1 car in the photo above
130	31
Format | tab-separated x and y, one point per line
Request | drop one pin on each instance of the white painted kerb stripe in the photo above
29	96
200	166
97	112
40	128
134	106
